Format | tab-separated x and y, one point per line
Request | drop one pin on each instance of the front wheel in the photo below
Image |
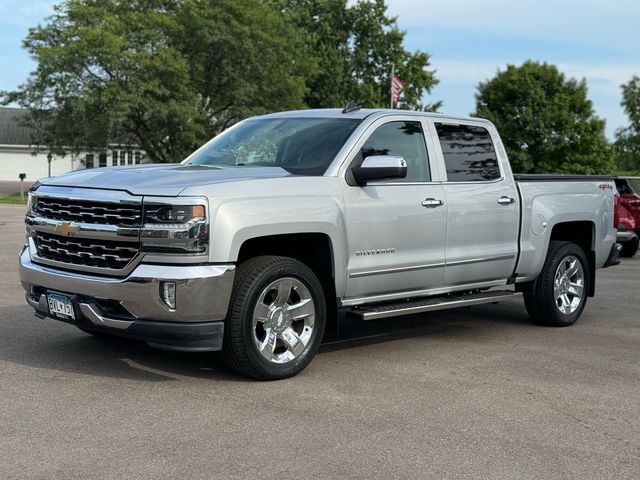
276	318
559	294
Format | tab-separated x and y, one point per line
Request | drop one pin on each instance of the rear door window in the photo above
468	151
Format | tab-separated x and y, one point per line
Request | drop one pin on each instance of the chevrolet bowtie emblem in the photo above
67	229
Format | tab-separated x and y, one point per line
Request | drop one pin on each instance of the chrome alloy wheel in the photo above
568	284
283	320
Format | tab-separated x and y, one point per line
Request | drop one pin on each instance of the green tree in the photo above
628	139
354	47
546	121
164	74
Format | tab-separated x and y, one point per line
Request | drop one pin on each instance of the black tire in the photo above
239	350
629	249
541	302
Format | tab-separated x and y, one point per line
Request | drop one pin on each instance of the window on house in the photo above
102	160
138	157
114	158
129	157
88	160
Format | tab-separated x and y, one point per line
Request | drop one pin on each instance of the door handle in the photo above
432	203
504	200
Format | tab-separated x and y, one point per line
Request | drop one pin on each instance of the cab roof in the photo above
363	113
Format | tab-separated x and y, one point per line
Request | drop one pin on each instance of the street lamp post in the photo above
49	157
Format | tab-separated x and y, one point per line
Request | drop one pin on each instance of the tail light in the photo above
616	210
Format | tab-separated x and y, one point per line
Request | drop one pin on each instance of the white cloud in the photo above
602	75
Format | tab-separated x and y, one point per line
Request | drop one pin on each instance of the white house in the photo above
17	155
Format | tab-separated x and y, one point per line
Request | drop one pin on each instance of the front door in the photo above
395	228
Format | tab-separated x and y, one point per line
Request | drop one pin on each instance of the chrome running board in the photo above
432	304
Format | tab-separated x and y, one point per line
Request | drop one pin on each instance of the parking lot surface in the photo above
467	393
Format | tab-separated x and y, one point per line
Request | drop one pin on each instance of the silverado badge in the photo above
377	251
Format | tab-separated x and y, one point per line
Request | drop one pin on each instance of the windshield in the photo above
302	146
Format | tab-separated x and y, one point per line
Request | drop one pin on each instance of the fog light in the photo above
168	294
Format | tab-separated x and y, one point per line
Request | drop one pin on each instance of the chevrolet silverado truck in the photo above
262	238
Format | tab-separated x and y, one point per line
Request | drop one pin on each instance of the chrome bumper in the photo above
202	292
626	236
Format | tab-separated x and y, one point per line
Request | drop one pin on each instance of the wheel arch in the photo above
314	249
579	232
583	234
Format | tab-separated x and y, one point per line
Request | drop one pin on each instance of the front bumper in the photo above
132	306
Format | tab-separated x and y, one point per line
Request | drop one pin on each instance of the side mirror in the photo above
379	167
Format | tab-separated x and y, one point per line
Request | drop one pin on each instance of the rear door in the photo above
482	204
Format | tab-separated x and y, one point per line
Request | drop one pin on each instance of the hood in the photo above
159	179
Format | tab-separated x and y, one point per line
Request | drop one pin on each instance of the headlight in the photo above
31	198
175	228
31	202
173	214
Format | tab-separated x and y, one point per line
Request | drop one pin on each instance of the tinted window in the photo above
628	186
634	185
468	153
401	139
303	146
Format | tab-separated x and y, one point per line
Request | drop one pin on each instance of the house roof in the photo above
12	132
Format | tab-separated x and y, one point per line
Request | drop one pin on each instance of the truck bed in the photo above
549	201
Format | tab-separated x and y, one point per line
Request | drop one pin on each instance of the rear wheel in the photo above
276	318
629	249
559	294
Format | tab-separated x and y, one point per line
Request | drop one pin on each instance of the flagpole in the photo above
393	74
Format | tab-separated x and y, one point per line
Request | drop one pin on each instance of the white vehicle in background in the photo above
256	242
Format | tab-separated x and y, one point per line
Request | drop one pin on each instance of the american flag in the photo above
396	87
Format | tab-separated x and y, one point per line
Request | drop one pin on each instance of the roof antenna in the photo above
351	107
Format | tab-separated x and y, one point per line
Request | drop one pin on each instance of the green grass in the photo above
14	198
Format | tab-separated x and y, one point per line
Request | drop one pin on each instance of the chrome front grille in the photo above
110	254
88	211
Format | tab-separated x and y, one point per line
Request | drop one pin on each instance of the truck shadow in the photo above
59	347
461	324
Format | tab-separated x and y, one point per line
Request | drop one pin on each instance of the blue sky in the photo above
469	40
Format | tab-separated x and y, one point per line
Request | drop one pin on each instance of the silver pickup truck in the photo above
258	241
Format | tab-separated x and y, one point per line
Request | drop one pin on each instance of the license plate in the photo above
61	306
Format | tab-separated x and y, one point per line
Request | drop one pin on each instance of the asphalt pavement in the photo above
467	393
